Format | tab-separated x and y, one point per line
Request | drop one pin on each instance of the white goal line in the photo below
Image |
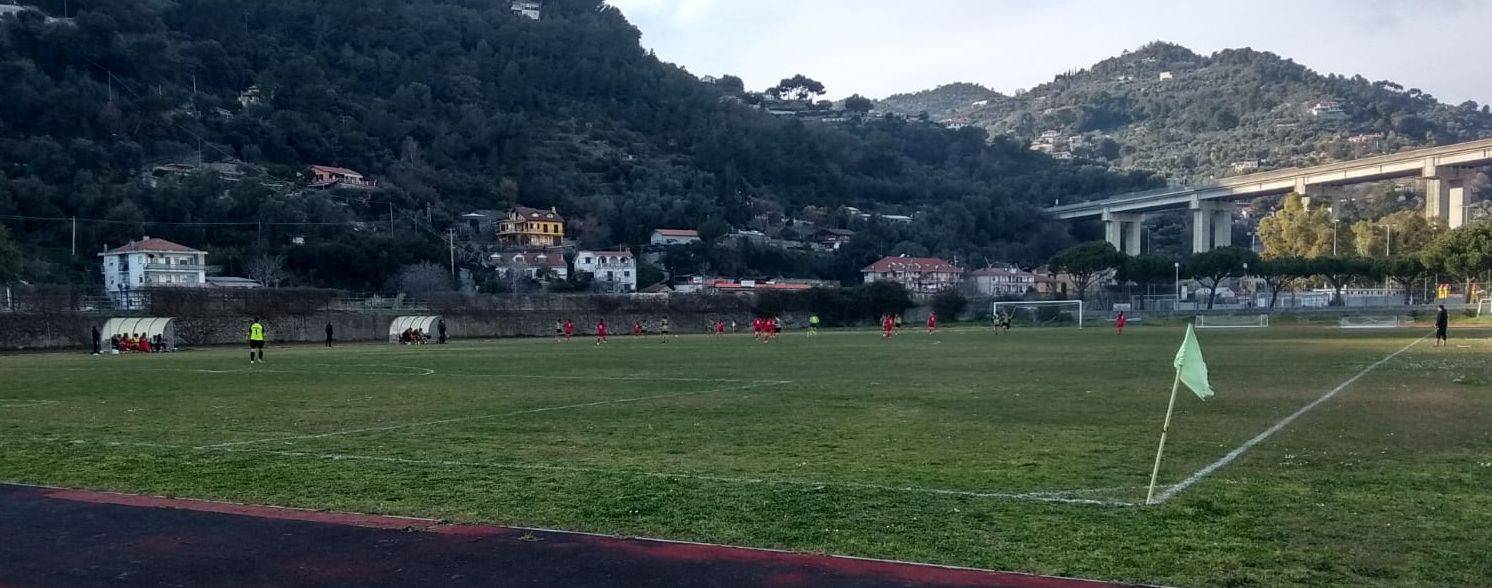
1207	470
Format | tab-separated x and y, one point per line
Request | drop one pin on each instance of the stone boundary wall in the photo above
475	319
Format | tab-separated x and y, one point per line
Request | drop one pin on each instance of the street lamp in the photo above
1178	281
1388	241
1243	284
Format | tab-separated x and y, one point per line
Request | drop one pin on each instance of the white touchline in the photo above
1207	470
493	416
1056	496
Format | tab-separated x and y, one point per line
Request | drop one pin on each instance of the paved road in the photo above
51	537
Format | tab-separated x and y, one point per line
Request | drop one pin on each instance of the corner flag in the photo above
1192	371
1190	367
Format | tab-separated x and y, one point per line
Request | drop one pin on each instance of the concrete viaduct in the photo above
1444	169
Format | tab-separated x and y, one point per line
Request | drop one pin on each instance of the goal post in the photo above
1231	321
1372	322
1039	312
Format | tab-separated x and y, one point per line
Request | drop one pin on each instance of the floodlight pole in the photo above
1164	428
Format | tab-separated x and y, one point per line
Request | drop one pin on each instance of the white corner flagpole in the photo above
1164	428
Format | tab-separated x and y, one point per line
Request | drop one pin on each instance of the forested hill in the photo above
452	106
1194	117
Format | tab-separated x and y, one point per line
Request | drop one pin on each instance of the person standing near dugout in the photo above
256	342
1442	321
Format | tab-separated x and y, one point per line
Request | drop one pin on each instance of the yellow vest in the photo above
256	332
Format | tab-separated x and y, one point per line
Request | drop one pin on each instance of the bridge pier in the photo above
1122	230
1445	195
1212	225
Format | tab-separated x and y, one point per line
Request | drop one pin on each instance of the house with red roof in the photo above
671	237
151	263
920	275
326	176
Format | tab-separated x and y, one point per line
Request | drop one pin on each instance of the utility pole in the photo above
75	237
451	239
391	216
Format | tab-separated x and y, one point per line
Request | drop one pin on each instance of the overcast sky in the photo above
882	47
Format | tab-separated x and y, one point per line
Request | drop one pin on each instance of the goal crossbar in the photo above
1223	321
996	306
1371	322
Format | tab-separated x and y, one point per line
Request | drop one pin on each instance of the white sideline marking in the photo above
1057	497
1207	470
493	416
24	402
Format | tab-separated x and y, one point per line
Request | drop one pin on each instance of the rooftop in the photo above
148	244
911	264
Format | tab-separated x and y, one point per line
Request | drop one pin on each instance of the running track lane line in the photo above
494	416
1207	470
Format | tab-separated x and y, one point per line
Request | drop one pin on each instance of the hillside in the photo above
452	106
1194	117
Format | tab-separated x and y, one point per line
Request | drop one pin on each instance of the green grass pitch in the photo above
1025	451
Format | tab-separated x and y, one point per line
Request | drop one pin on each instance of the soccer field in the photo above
1026	451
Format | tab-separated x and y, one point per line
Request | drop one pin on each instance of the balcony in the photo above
174	267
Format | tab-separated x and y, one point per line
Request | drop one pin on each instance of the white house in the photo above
528	8
920	275
151	263
611	271
669	237
1329	110
1001	280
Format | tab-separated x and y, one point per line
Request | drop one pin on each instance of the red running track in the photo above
54	537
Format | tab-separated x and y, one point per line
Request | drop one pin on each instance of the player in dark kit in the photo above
1442	321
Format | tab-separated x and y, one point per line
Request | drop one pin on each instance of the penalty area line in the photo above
1207	470
493	416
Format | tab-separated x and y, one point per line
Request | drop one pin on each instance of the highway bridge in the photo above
1444	170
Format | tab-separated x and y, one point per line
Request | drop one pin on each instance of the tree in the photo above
731	84
1295	231
1401	233
713	229
1404	270
1338	271
1276	273
798	87
1212	267
1086	263
10	257
1463	252
268	270
424	278
1147	270
949	304
858	104
887	298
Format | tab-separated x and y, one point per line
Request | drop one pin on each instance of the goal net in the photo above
1232	321
1372	322
1481	303
1044	313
